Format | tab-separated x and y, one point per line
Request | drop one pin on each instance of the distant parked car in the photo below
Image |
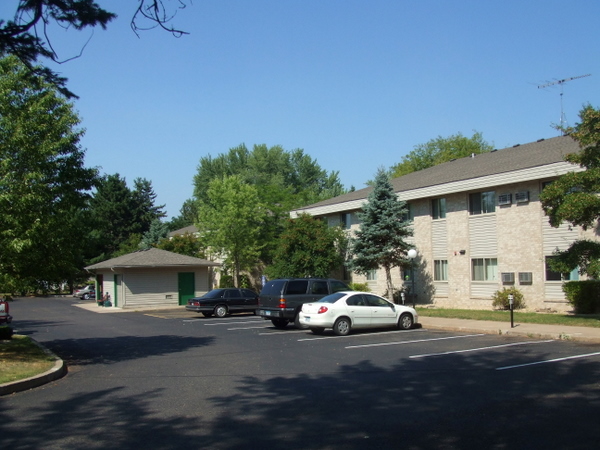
86	292
345	311
220	302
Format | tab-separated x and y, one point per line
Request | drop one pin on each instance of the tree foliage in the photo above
440	150
308	247
283	180
185	244
158	231
43	182
381	239
574	198
187	215
26	36
230	221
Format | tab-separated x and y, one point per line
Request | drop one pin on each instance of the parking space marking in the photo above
246	328
281	332
381	344
566	358
357	335
480	348
235	322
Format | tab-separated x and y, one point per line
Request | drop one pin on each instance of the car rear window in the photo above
297	287
332	298
274	288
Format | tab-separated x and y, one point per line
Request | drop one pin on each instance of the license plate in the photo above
307	318
267	313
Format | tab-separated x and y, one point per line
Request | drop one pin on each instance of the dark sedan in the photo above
220	302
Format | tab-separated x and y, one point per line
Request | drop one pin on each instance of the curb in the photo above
58	371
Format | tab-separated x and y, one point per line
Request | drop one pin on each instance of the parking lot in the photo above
162	378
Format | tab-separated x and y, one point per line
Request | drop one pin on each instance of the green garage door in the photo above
187	287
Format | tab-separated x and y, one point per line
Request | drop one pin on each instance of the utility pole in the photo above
563	121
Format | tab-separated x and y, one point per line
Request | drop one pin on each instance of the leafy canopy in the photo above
308	247
574	197
440	150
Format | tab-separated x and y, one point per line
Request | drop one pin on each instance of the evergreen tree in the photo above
380	240
158	230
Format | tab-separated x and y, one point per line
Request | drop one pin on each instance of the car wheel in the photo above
221	311
85	297
342	326
280	323
297	323
405	322
207	314
317	330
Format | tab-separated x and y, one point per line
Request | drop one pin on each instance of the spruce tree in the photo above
380	241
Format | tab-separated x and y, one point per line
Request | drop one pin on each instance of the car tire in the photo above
220	311
85	297
406	321
207	314
317	330
342	326
297	323
280	323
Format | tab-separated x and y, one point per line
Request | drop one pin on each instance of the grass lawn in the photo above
21	358
591	320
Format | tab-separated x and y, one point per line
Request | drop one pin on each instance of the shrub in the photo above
362	287
6	333
584	296
500	299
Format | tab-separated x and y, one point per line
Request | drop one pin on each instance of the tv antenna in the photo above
563	120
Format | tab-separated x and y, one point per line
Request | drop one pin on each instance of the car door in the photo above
359	310
234	299
250	299
383	312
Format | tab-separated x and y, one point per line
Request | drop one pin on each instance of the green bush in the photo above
361	287
584	296
6	333
500	299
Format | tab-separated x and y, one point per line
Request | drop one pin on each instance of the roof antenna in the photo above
563	120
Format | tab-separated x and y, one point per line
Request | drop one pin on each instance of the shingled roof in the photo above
535	154
152	257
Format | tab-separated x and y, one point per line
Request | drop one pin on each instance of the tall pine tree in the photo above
380	241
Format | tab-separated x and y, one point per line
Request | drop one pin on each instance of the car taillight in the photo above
322	309
282	302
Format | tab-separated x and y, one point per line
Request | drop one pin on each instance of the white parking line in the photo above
227	323
356	335
549	361
480	348
272	333
246	328
415	341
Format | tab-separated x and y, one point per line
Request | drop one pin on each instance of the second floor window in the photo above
438	208
346	220
484	269
482	202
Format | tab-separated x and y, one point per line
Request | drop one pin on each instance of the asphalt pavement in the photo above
587	334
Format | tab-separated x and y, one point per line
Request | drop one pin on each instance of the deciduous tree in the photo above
574	197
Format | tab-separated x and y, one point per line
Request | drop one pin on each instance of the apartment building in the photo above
478	226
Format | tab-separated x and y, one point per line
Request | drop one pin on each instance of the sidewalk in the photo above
532	330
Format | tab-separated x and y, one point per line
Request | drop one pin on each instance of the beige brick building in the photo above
478	226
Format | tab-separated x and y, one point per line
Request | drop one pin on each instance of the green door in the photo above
187	287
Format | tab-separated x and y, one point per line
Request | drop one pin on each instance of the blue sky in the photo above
355	84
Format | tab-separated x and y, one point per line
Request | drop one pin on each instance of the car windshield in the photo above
332	298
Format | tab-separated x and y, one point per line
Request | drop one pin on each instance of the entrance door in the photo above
187	286
117	290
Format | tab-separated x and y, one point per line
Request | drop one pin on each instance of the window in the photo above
438	208
346	220
372	275
551	275
482	202
407	214
440	270
484	269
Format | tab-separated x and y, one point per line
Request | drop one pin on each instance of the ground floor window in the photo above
372	275
551	275
484	269
440	270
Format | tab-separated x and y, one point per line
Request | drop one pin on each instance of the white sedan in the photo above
344	311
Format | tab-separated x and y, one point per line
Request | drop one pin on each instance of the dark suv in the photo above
281	300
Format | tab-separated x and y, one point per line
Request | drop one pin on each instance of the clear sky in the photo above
356	84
